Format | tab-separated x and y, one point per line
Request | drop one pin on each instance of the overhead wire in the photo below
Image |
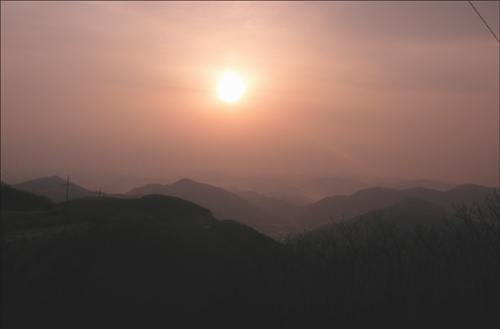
484	21
24	174
10	175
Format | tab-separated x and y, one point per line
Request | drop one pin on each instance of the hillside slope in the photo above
143	262
54	188
222	203
343	207
14	199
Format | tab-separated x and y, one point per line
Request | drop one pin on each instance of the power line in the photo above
18	167
10	175
484	22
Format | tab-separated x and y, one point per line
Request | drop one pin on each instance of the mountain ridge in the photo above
53	188
271	215
364	201
224	204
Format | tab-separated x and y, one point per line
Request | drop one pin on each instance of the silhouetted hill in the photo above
337	185
154	205
53	188
364	201
415	207
467	193
411	183
14	199
222	203
406	214
140	260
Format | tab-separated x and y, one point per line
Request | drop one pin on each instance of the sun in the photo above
231	87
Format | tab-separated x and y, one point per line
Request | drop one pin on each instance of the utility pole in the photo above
100	193
67	191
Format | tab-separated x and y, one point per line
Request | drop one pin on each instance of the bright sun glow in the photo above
231	87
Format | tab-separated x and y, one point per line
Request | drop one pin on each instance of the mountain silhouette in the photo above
151	206
409	212
222	203
467	194
138	258
426	183
53	188
404	215
14	199
322	187
343	207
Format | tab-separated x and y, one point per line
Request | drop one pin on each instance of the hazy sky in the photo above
406	89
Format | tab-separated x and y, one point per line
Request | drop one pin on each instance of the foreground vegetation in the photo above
164	262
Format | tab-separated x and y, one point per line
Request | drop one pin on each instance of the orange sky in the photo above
406	89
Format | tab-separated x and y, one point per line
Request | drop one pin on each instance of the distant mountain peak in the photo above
222	203
53	188
374	190
184	181
41	183
187	183
468	187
